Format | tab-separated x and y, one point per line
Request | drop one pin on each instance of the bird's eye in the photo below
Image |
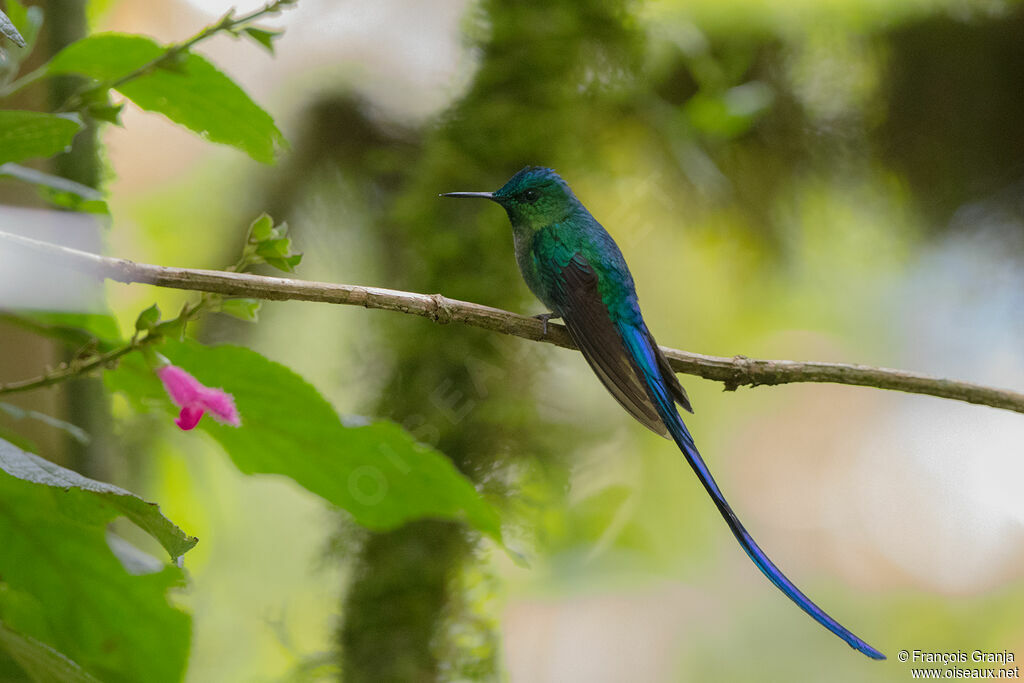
530	196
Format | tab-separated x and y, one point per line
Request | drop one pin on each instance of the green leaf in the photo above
172	329
148	319
193	93
111	113
8	29
40	661
261	228
263	37
272	248
63	585
286	264
30	134
175	63
243	309
376	471
31	468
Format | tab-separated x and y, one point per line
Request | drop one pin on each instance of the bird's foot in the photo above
544	318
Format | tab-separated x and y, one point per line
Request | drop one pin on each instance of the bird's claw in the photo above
544	318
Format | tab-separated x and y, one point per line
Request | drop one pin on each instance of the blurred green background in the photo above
838	180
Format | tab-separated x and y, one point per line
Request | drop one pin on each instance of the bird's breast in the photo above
531	265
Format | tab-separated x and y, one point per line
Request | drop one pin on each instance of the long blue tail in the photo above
638	341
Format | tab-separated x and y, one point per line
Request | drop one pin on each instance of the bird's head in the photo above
533	198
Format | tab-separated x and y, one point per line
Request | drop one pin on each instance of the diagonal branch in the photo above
733	372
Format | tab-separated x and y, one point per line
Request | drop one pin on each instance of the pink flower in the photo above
194	399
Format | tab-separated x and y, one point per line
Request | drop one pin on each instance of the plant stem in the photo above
733	372
75	369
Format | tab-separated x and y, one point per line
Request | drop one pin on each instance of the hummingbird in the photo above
571	263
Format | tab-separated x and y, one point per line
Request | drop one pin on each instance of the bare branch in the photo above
733	372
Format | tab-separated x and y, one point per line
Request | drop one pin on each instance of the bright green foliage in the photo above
261	229
263	37
243	309
277	252
106	56
148	319
31	468
29	134
40	661
375	471
270	244
64	586
106	111
188	90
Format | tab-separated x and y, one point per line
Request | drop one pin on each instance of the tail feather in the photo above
641	349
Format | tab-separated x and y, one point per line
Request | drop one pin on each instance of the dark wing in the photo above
669	375
598	337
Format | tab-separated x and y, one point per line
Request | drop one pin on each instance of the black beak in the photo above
480	195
